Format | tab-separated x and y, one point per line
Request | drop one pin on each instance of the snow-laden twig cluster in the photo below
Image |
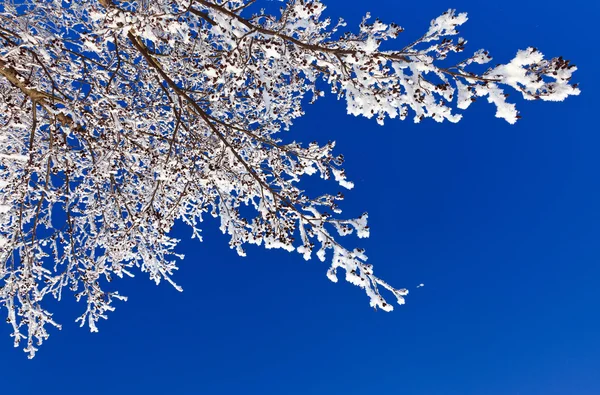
118	118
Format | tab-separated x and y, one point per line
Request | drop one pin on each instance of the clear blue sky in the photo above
501	223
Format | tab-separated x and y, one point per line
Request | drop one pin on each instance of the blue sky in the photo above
501	223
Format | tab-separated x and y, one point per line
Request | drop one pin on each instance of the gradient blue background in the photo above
501	223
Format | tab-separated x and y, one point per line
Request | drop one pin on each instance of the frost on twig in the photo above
118	118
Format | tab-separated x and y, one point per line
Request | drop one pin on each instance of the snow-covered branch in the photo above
118	118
